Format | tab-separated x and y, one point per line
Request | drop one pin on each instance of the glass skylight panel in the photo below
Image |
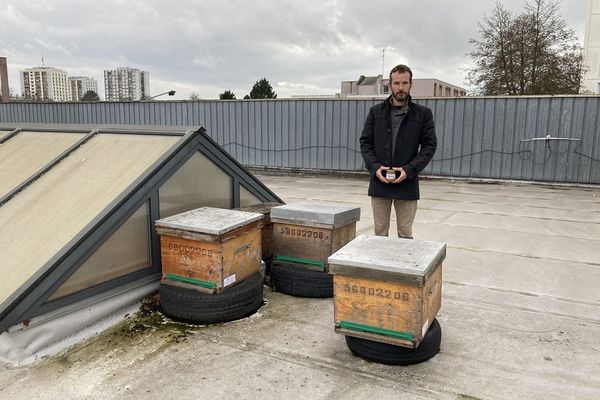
198	183
58	206
126	251
25	153
247	198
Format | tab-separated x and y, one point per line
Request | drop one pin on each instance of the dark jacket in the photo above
415	146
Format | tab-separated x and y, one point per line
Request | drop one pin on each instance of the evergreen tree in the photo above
90	95
262	90
227	95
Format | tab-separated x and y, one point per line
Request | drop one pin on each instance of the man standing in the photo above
397	142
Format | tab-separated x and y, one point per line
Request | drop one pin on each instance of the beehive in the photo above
387	289
267	226
307	233
209	248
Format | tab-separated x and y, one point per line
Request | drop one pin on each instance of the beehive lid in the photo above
261	208
208	220
331	214
385	258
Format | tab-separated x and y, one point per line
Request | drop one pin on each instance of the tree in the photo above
532	53
227	95
262	90
194	96
90	95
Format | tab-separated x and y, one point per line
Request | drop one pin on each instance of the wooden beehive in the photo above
387	289
305	234
208	248
267	226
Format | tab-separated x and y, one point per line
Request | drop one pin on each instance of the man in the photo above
397	142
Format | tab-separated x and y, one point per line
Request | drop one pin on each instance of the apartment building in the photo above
378	86
80	85
126	84
45	84
591	47
4	89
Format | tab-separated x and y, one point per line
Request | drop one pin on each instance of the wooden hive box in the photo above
305	234
267	225
387	289
208	248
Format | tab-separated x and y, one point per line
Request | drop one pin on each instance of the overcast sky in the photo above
301	47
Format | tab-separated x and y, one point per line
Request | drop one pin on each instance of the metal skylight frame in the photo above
30	299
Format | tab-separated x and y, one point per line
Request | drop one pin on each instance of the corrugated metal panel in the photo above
478	137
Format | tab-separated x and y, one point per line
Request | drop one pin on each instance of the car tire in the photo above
385	353
189	305
301	282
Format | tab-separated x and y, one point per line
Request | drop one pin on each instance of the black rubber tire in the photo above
384	353
189	305
301	282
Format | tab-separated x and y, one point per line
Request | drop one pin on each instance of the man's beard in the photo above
400	96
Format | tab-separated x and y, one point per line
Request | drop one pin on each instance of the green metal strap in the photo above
380	331
193	281
301	261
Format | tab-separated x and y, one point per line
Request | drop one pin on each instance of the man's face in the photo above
400	86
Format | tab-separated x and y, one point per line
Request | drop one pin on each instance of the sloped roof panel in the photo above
27	152
46	216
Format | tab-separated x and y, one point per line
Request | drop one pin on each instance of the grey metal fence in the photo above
477	137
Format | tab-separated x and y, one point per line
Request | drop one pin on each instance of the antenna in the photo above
43	59
382	62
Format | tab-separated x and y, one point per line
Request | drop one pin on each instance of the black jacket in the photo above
415	146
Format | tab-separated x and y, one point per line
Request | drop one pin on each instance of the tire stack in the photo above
211	265
304	235
188	304
297	280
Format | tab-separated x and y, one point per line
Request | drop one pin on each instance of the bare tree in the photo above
531	53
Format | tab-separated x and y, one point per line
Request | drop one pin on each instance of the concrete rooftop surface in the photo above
520	316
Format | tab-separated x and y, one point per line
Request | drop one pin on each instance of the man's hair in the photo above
400	68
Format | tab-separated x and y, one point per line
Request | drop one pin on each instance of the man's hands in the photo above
379	174
402	175
381	171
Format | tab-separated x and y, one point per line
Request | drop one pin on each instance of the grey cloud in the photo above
209	46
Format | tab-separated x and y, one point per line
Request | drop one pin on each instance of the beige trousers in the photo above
405	215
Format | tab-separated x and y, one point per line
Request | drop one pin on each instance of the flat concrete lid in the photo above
333	214
209	220
261	208
386	254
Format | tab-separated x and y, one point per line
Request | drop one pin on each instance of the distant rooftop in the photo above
378	86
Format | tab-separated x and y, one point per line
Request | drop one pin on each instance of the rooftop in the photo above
520	315
368	80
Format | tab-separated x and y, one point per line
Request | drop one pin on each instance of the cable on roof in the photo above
524	154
